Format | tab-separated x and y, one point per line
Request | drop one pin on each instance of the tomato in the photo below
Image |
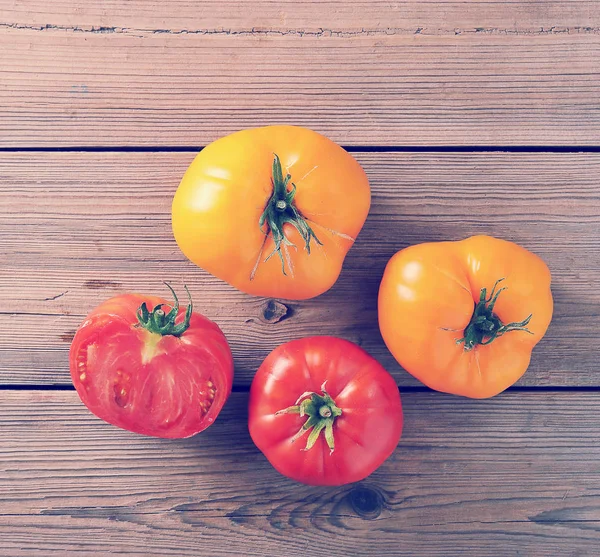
272	211
151	371
331	391
463	317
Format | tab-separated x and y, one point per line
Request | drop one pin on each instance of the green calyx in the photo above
485	326
162	323
280	210
321	411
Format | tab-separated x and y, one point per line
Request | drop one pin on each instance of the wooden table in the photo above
469	117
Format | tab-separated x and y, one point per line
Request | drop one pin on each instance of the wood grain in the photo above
470	75
343	16
78	228
515	475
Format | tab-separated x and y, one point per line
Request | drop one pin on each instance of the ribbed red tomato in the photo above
331	391
159	373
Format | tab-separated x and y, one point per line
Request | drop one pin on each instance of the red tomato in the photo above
136	366
331	391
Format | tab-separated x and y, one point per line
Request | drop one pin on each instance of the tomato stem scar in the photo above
281	210
485	326
321	411
163	323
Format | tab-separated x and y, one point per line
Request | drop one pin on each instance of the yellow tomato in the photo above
272	211
463	317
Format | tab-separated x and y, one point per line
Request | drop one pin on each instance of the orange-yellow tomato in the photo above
463	317
272	211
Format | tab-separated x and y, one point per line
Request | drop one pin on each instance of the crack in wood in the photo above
317	32
51	298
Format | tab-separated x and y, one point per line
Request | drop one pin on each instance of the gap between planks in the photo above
349	148
403	389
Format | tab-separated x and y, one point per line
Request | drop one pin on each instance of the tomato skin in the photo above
143	382
221	198
426	301
366	433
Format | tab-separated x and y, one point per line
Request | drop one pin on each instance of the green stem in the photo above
281	210
485	326
322	413
159	322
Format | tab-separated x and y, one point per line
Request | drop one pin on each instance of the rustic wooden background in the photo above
469	117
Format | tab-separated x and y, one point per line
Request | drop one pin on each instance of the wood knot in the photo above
273	311
366	502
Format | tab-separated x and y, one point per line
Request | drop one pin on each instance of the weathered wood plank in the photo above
516	475
70	86
333	16
77	228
